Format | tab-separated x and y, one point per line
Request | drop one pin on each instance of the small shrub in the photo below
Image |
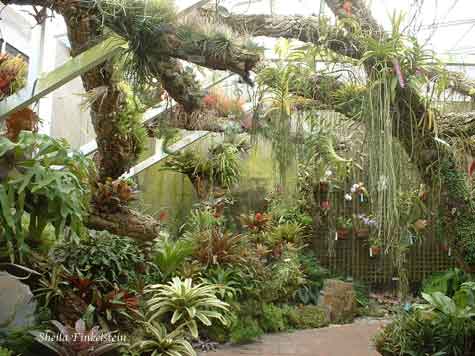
21	341
227	282
219	332
273	318
441	327
285	279
105	256
245	330
314	277
169	256
255	223
286	233
362	294
214	247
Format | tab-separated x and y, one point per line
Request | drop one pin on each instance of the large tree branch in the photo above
317	30
310	29
125	223
181	85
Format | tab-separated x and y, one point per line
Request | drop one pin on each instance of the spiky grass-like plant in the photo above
220	166
154	35
223	164
144	24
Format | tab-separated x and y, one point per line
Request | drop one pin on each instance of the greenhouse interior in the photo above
237	177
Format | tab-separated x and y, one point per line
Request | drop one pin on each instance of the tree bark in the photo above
180	85
125	223
116	150
311	29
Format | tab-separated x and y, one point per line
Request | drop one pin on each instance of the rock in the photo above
17	306
338	299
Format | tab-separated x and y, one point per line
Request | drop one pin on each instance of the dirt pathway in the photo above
336	340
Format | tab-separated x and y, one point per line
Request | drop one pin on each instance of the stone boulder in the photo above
17	306
338	299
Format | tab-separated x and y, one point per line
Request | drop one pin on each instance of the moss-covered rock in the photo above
306	317
338	299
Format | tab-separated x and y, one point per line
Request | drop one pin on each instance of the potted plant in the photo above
343	228
324	184
445	246
375	248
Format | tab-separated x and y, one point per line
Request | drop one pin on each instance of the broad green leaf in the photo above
6	208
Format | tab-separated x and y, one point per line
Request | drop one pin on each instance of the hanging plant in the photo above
375	247
344	227
21	120
13	72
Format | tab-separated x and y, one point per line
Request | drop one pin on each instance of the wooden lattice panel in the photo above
351	259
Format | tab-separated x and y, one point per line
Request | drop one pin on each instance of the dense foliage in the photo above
234	279
443	325
43	183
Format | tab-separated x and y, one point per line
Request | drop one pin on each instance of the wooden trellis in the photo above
351	258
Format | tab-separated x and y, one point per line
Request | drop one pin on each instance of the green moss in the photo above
129	121
460	213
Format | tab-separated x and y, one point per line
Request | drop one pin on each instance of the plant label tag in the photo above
370	252
450	251
336	236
